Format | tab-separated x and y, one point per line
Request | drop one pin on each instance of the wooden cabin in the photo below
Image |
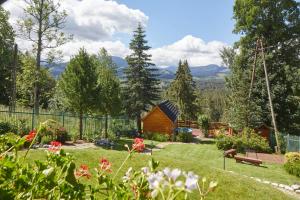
162	118
264	131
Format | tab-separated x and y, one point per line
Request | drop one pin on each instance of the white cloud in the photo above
195	50
93	24
116	48
90	19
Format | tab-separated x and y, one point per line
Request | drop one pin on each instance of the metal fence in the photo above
291	142
92	125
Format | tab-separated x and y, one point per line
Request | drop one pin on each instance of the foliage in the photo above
182	92
6	45
184	137
25	83
108	86
42	25
161	137
78	85
6	127
141	84
58	177
292	163
262	19
204	123
247	139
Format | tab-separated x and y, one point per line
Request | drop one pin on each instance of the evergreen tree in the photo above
141	85
182	92
78	85
277	23
6	56
108	86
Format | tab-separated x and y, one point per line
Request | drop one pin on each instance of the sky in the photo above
195	30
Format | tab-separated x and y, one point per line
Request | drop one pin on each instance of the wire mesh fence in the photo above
291	142
92	125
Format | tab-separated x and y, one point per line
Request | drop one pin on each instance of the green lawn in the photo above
203	159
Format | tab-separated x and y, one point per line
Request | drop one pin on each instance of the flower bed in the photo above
58	177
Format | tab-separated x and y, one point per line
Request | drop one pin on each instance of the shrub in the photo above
160	137
184	137
247	139
6	127
62	135
224	142
292	163
204	123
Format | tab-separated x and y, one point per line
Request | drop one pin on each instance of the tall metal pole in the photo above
270	98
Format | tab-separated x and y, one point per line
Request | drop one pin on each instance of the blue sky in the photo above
171	20
195	30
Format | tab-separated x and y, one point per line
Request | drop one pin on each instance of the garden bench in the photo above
253	161
230	153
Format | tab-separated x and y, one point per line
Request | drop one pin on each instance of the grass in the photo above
203	159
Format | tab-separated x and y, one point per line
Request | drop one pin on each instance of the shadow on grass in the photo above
119	145
207	142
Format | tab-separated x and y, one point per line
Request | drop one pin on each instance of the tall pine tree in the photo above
141	85
78	85
182	92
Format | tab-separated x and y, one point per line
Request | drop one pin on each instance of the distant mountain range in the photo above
166	73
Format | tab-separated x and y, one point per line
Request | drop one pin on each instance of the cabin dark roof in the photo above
169	109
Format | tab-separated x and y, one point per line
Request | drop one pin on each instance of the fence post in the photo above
288	142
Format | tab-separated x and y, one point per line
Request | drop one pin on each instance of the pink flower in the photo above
55	146
105	165
138	145
83	171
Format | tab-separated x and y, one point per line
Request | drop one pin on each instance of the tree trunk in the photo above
105	126
139	123
38	61
80	125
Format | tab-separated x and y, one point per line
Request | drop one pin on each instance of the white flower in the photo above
48	171
191	181
172	174
155	180
127	175
179	184
175	173
146	170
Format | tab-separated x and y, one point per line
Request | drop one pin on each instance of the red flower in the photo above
138	145
55	146
30	136
105	165
83	171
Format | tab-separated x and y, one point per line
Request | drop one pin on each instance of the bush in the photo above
6	127
248	139
204	123
292	164
62	135
225	142
160	137
184	137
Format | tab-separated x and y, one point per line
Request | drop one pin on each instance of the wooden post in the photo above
277	148
253	69
12	107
